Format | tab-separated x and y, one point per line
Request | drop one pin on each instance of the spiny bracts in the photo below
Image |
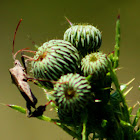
54	59
95	64
86	38
72	93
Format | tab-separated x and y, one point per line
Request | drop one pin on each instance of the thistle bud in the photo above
95	64
86	38
72	93
54	59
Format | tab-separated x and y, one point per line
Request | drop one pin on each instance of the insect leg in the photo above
29	112
23	61
40	110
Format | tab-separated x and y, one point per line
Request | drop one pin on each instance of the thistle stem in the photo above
117	45
69	131
47	119
117	85
84	134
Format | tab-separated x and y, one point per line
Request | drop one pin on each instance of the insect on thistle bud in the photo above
86	38
54	59
19	78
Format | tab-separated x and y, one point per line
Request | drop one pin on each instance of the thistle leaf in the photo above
137	117
23	110
17	108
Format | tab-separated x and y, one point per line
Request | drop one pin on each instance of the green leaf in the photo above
130	109
124	86
47	119
137	134
18	108
136	117
104	123
69	131
125	124
128	91
23	110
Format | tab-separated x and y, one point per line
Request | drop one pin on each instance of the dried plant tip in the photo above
86	38
118	16
68	21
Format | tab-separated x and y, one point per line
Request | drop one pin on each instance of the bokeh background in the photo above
44	20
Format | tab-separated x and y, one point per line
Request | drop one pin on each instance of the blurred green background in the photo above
44	20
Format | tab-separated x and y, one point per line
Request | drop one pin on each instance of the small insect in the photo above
19	78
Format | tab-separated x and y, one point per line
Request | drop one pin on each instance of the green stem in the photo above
117	45
117	85
84	131
69	131
84	134
47	119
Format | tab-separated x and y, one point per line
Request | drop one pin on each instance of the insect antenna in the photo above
24	49
43	80
14	38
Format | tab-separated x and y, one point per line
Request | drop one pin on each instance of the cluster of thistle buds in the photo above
75	72
77	79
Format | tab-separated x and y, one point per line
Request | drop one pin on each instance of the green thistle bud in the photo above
95	64
53	59
72	92
86	38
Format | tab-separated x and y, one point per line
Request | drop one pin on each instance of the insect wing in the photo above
18	77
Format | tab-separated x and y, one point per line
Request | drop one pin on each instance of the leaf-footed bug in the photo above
19	78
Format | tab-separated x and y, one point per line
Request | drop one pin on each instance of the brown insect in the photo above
19	78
